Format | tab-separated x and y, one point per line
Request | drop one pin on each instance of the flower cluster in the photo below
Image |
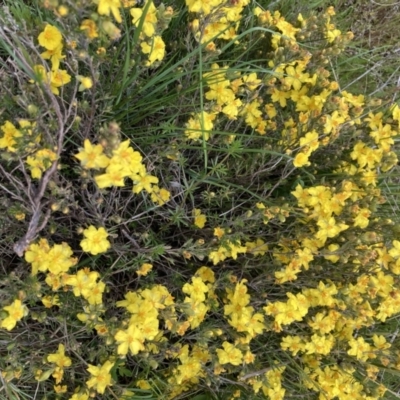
215	20
282	247
143	324
123	163
61	361
152	22
51	39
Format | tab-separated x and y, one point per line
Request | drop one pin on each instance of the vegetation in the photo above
197	200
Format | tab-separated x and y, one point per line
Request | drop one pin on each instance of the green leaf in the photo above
125	372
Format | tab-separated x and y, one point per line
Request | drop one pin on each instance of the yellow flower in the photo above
59	258
229	355
50	301
20	216
142	384
320	344
201	6
84	279
90	28
54	56
94	295
221	92
40	162
92	156
131	339
287	29
36	255
144	269
301	160
156	50
107	6
125	156
160	196
191	368
329	228
10	133
235	248
362	218
59	358
258	248
251	81
101	329
200	125
359	348
150	19
143	181
219	255
50	38
292	343
196	290
101	377
219	232
199	218
310	140
63	11
128	3
114	176
57	79
60	389
86	82
95	241
206	274
16	311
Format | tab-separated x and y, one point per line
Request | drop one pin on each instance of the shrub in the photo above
191	211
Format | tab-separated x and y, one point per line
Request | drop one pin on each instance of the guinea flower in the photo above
143	181
86	82
199	218
229	354
156	50
90	28
50	38
57	79
91	156
160	196
114	176
16	311
94	295
95	241
359	348
301	160
59	358
40	162
150	19
144	269
219	232
55	56
10	133
100	376
107	6
131	339
80	396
